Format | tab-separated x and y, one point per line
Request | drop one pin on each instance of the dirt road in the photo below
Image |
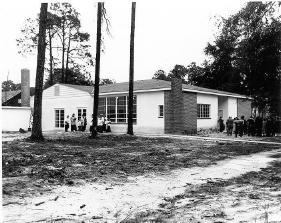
121	179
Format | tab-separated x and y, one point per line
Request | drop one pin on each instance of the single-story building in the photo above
159	106
16	111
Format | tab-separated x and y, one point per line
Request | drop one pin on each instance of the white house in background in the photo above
16	110
159	106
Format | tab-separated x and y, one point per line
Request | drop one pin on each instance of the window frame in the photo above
60	121
160	107
114	106
203	110
82	112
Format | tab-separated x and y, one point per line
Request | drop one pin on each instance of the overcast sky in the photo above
167	33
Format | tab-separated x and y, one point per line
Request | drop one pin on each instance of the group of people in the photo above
252	127
75	125
103	124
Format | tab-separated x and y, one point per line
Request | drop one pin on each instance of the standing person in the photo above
229	126
269	128
73	123
100	127
251	126
79	124
221	124
238	127
264	121
258	126
107	125
243	126
84	123
66	123
92	123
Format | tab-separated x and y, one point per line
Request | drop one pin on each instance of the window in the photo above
57	90
102	106
115	108
160	111
121	109
59	118
111	109
82	112
203	111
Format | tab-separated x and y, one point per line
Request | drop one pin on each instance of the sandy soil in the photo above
142	180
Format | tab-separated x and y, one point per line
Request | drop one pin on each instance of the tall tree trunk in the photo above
51	58
63	50
37	128
97	71
67	59
131	74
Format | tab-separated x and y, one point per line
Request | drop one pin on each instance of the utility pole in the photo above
97	71
130	130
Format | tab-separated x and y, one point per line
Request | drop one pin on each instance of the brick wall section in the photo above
244	107
190	112
180	110
168	113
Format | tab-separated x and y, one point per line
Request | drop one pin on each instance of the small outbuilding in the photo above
159	106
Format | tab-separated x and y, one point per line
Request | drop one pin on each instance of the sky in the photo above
167	33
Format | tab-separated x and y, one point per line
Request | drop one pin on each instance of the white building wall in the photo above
14	118
68	99
147	114
232	107
212	121
223	105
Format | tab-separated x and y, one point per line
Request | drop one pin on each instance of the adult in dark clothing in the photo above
73	123
84	123
229	126
269	127
258	126
251	126
221	124
243	126
238	127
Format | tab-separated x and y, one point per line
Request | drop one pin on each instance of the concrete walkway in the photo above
207	138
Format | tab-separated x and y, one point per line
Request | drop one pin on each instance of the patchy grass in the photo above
251	197
29	168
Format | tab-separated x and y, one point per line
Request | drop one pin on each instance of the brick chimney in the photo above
174	108
25	88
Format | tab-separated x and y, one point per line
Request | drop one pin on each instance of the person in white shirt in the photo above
107	124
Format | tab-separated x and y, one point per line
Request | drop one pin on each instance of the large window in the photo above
203	111
59	118
116	108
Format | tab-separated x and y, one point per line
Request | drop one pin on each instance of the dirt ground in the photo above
120	178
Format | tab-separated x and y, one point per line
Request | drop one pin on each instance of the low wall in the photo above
14	118
122	128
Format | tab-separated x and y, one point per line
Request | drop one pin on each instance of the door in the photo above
59	118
